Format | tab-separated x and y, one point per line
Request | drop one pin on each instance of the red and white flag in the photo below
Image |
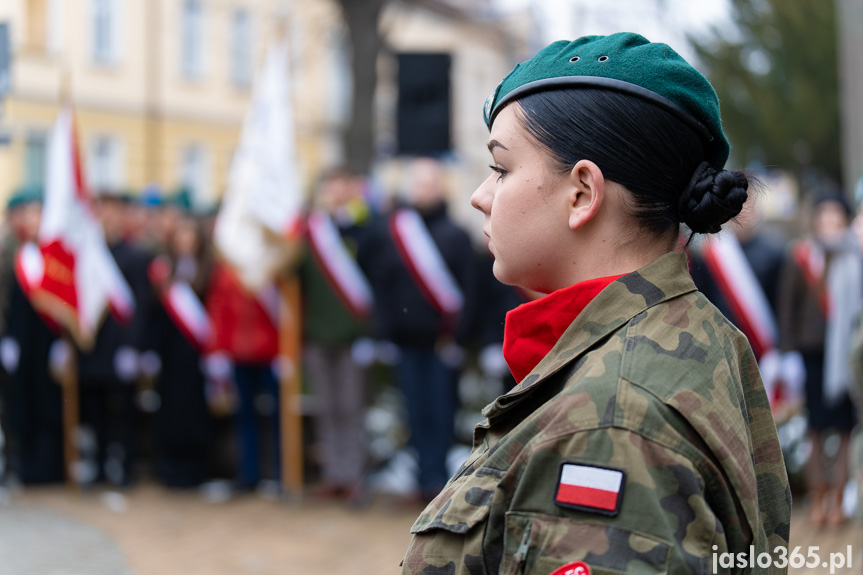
340	268
590	488
77	277
740	288
261	211
425	262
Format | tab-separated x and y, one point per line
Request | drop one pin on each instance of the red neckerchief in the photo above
532	329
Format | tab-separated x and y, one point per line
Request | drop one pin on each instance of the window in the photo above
241	49
194	174
105	164
192	40
34	159
104	31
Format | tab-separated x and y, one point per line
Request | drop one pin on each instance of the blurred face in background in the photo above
830	222
426	190
168	217
24	221
186	238
335	192
136	222
112	214
747	223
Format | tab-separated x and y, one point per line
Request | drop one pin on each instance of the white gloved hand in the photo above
150	363
387	352
492	362
794	373
59	356
10	354
218	366
126	364
363	352
452	355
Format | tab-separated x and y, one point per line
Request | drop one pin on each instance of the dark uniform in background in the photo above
107	374
422	333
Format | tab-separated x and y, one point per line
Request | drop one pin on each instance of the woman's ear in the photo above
587	191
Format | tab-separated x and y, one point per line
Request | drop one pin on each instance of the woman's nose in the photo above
480	198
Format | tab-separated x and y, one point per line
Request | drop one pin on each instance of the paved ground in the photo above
153	531
165	533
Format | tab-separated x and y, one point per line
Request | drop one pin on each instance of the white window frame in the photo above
192	39
106	163
105	34
241	47
194	172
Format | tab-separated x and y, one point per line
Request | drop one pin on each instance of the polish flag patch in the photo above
590	488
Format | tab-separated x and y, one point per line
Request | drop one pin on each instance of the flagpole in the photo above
290	375
71	416
69	379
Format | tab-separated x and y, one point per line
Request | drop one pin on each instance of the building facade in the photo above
160	87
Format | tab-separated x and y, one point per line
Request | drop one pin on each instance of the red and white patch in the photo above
576	568
590	488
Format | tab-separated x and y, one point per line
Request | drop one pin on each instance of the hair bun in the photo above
712	198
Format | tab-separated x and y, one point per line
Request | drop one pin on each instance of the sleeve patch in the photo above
590	488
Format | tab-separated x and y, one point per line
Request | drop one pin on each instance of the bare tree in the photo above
362	18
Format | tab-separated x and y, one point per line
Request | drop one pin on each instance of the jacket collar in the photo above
664	278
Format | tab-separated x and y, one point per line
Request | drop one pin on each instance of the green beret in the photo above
623	62
24	195
182	199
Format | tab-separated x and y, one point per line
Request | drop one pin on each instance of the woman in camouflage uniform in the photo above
639	438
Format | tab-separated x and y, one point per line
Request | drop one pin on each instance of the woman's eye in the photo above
500	171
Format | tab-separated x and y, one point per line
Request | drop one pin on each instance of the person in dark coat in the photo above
107	374
183	424
32	412
430	341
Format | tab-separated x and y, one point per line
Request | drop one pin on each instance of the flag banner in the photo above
262	208
79	277
740	288
340	268
425	262
182	305
29	267
589	488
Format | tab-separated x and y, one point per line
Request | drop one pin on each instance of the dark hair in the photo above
642	147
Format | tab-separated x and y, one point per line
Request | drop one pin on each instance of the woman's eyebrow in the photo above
495	144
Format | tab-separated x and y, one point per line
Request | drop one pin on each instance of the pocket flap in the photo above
462	504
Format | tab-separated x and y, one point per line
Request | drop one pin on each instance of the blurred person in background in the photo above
425	302
739	272
243	352
820	299
337	300
143	216
32	406
180	331
108	373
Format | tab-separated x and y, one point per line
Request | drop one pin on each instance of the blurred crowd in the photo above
390	291
397	301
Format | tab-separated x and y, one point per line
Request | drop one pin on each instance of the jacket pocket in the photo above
449	532
536	543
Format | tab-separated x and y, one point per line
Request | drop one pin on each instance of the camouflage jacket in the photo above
652	383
